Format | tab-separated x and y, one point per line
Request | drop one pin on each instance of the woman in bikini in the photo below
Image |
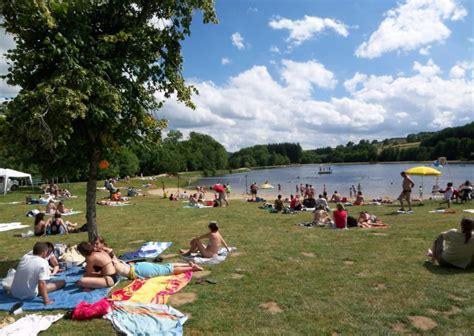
100	270
142	270
40	224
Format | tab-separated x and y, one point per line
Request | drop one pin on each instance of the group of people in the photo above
102	267
53	226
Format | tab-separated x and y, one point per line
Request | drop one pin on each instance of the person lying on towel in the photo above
215	241
32	275
143	270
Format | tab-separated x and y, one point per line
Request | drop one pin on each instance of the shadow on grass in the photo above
442	270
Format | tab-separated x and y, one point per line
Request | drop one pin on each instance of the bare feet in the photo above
183	252
196	268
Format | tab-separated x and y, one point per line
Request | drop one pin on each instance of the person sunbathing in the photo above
39	225
51	207
367	220
454	248
100	271
336	198
215	241
359	199
321	217
143	270
57	225
60	208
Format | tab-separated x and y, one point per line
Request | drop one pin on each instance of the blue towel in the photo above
148	319
147	251
65	298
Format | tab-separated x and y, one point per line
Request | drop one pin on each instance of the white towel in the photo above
216	259
469	211
70	213
30	325
11	226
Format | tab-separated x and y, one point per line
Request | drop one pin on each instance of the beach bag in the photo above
351	221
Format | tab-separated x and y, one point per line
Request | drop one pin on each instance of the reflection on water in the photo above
376	180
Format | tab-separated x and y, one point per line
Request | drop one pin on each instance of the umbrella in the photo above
266	186
423	171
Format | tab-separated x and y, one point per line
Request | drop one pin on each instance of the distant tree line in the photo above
267	155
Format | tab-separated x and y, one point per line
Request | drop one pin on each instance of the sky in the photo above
325	72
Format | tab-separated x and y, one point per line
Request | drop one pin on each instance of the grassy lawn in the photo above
323	281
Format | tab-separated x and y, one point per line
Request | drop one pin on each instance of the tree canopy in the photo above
88	72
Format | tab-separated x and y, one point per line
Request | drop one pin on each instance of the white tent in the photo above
9	173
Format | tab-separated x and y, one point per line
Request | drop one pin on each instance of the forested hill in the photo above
455	143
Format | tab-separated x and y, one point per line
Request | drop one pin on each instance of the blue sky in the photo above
325	72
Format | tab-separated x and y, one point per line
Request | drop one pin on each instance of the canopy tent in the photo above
9	173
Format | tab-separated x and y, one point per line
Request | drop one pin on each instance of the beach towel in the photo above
11	203
30	325
197	206
443	211
216	259
469	211
154	290
148	250
70	213
146	319
11	226
65	298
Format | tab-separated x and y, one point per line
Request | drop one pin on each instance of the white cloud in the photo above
459	70
160	23
425	51
6	43
225	61
238	41
428	70
275	49
255	107
308	27
411	25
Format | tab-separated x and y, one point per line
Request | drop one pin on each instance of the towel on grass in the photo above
469	211
65	298
70	213
11	226
197	206
30	325
11	202
146	319
154	290
216	259
147	250
442	211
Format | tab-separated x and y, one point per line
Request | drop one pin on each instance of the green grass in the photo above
358	282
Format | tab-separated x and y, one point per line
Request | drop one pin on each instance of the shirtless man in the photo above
407	185
215	241
321	217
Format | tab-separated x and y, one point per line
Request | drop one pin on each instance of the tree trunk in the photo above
91	195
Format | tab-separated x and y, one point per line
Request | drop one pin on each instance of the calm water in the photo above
376	180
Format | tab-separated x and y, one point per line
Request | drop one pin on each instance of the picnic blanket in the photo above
65	298
70	213
30	325
147	250
146	319
216	259
11	226
154	290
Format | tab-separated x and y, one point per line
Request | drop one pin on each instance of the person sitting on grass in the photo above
321	201
321	217
142	270
40	224
359	199
336	198
454	248
62	209
278	206
57	225
448	194
340	216
295	203
51	207
367	220
215	241
32	275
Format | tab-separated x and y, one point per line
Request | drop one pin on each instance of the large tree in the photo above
88	72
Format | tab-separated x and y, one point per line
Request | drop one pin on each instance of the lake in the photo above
376	180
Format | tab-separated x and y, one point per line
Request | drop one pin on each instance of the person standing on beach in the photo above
253	191
407	186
